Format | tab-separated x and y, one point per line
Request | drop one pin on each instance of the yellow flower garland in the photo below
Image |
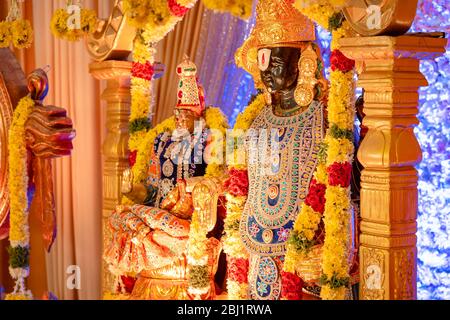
19	33
335	264
198	274
18	173
232	243
156	18
5	34
15	30
60	29
19	235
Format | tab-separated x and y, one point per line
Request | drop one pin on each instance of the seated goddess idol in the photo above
151	238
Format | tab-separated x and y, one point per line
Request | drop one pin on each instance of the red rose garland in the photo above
176	9
340	174
132	158
237	278
291	286
238	269
340	62
142	70
237	183
316	196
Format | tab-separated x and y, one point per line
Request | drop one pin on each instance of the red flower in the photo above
177	9
237	183
341	62
291	286
339	174
316	196
132	158
128	282
238	269
143	71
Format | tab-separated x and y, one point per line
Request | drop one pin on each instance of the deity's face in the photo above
185	119
279	67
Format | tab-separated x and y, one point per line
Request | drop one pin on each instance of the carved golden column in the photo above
115	146
390	76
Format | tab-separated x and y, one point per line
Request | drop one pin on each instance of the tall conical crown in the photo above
190	92
278	24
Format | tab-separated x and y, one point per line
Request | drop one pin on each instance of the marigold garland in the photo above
19	236
236	194
238	8
22	34
5	34
160	16
335	169
198	275
15	31
60	28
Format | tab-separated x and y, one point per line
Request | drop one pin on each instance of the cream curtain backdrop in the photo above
78	178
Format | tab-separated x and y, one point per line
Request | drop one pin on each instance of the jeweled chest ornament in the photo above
274	198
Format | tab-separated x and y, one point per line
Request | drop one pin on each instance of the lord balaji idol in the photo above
150	238
284	60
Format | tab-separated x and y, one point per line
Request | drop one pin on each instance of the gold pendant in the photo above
304	95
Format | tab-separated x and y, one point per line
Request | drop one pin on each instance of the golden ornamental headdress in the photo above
278	24
190	93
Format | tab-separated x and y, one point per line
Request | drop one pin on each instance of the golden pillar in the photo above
390	76
115	146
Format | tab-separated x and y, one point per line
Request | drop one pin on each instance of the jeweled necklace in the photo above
280	112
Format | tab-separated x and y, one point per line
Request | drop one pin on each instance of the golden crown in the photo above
278	24
190	93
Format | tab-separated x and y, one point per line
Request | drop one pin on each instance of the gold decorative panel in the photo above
390	77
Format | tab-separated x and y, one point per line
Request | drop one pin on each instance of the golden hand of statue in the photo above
179	201
136	192
127	181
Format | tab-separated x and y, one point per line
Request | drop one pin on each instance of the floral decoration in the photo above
59	24
19	235
236	194
15	30
328	198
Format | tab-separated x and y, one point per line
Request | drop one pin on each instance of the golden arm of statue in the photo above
49	134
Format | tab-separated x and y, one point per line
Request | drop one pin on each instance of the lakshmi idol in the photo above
150	238
284	60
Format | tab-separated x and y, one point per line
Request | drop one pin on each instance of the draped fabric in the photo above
77	179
